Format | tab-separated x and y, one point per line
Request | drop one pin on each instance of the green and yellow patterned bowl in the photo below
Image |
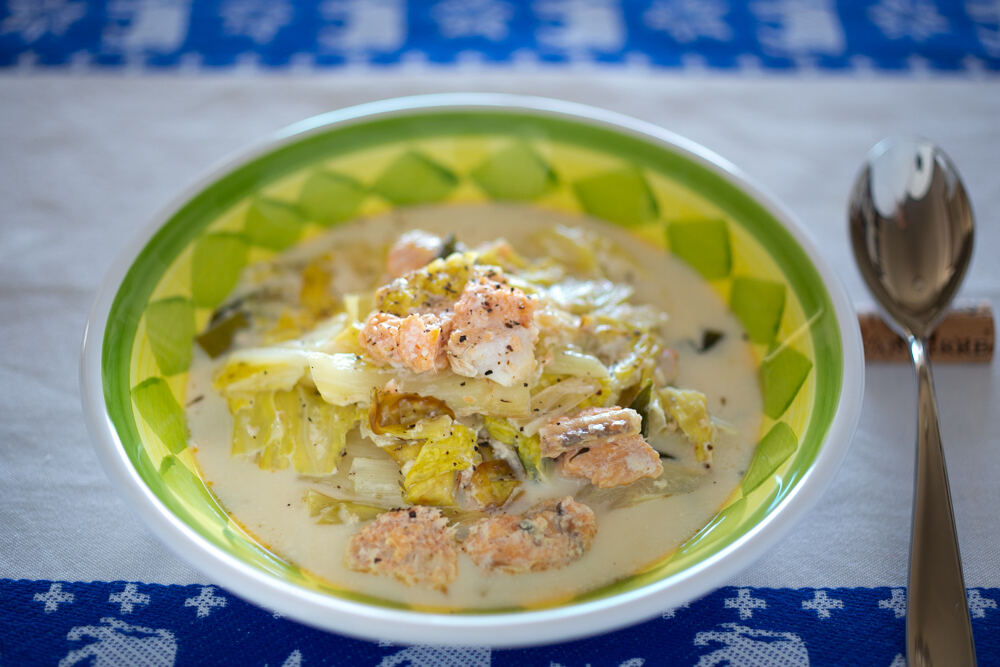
459	149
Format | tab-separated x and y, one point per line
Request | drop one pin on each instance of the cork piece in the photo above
965	335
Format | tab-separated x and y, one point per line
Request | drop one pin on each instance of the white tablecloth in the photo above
85	161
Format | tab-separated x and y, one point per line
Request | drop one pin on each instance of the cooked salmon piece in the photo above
616	462
550	536
493	333
417	342
587	428
413	250
414	545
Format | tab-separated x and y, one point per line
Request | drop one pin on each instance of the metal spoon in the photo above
911	230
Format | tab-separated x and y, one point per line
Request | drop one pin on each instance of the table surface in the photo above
88	159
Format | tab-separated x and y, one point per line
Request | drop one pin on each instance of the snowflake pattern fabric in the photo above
30	20
473	18
687	21
891	35
985	15
119	623
260	20
918	20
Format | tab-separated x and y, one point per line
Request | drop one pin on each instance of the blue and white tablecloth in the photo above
151	624
885	35
109	108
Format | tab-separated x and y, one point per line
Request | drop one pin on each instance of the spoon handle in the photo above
938	630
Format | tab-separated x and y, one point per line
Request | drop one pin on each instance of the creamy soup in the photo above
691	411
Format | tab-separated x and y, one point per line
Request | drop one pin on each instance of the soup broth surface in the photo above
269	504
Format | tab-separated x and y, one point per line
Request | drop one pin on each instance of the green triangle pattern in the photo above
414	178
774	449
170	329
722	524
620	195
759	304
516	172
781	377
162	412
703	244
273	224
328	198
216	262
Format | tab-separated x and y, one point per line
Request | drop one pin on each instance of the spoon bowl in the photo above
911	231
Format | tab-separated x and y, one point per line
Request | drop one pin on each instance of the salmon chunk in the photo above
416	342
414	545
493	333
413	250
616	462
587	428
549	536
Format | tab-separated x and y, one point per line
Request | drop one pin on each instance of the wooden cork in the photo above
965	335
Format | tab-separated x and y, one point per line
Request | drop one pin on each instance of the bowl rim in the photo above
505	629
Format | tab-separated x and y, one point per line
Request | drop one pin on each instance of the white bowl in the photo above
135	445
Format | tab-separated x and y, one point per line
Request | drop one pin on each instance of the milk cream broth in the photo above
270	504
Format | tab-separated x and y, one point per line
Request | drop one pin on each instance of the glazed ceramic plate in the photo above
367	160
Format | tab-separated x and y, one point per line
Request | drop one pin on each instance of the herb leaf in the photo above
709	338
641	405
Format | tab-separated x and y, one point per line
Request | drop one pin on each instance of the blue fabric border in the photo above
902	36
110	623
